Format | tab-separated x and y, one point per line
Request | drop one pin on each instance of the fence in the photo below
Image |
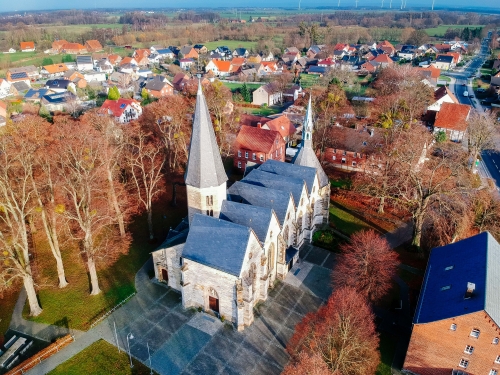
104	316
42	355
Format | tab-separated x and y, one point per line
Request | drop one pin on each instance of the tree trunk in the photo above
150	222
381	205
29	286
418	222
116	206
93	277
51	233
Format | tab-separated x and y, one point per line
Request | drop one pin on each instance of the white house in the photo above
186	63
123	110
4	88
94	76
84	63
220	68
266	95
442	95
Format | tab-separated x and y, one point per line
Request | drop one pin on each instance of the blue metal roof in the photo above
36	93
257	218
217	243
473	260
307	174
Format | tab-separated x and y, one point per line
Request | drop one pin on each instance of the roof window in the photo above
446	287
448	268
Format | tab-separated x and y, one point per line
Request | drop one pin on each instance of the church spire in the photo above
204	167
308	126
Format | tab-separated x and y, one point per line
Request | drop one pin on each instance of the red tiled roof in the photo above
270	64
179	77
283	125
94	44
73	46
27	45
117	107
57	44
435	72
442	47
385	43
256	139
128	60
252	120
452	116
339	46
222	66
238	61
383	59
114	58
3	105
456	56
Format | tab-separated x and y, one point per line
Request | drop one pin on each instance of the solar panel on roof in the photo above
19	75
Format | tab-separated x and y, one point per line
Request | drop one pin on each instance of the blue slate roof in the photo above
217	243
164	51
305	173
274	181
257	218
476	260
260	196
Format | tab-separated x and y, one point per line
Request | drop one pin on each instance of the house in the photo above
179	81
314	50
294	50
292	94
339	55
60	85
326	63
240	52
201	49
104	66
257	145
54	70
452	119
65	101
114	59
370	67
123	110
290	58
282	125
254	59
266	56
457	57
495	80
94	76
189	52
159	86
18	88
27	46
443	62
84	62
496	65
220	68
442	48
165	53
128	61
430	73
35	95
267	95
248	74
57	45
30	70
319	70
76	77
269	67
4	88
353	148
93	46
73	48
442	95
3	113
457	322
186	64
223	51
13	77
269	213
387	48
384	60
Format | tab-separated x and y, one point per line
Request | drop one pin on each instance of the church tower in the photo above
205	175
306	156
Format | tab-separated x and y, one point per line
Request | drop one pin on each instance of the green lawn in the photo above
73	306
262	111
234	86
328	240
345	222
444	78
100	358
232	44
387	348
441	30
308	80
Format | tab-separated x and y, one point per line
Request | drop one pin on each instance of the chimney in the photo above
470	290
259	125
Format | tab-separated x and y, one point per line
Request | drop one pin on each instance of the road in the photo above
489	166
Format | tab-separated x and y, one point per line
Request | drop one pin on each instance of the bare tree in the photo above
480	132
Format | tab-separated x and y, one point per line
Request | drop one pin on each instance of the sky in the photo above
6	5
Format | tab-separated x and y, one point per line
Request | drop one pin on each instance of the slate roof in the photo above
60	97
284	183
257	218
240	51
304	173
452	116
165	51
475	260
21	86
157	83
217	243
317	69
260	196
444	59
204	167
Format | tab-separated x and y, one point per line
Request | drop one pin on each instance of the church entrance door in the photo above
290	265
164	275
213	304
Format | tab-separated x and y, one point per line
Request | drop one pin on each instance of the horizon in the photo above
52	5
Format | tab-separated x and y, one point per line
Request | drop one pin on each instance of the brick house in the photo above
73	48
452	119
93	46
353	148
257	145
159	86
282	125
455	327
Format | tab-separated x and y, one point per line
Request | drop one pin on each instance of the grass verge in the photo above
100	358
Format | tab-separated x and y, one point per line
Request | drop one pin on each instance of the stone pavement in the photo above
188	342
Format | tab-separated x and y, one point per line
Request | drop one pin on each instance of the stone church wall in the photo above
197	200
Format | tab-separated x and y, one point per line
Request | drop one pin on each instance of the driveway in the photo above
189	342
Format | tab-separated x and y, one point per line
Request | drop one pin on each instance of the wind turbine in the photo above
432	5
390	4
382	4
338	5
357	3
299	4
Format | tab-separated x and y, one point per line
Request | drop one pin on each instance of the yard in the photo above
308	80
439	31
346	222
262	111
235	86
101	358
73	306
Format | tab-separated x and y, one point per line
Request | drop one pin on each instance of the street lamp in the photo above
131	337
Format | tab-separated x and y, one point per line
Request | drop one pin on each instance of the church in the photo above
237	241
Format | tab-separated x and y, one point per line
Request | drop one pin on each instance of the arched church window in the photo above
270	261
286	234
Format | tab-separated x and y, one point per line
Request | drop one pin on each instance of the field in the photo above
308	80
232	44
440	30
100	358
